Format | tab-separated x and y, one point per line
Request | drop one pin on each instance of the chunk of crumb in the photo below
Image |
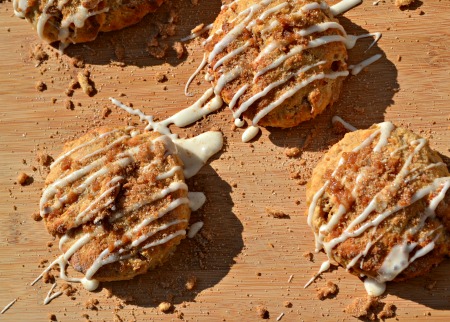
77	61
68	104
327	291
403	3
52	317
36	216
68	289
387	312
48	278
161	77
105	112
179	49
44	159
262	312
39	53
308	255
292	152
86	83
277	213
287	304
23	179
165	307
191	282
91	304
40	86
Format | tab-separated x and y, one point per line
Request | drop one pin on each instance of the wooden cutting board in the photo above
243	258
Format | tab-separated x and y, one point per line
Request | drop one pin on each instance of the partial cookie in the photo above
277	63
81	20
379	204
118	201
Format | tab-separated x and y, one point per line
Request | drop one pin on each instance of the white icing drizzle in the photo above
76	18
194	229
6	308
356	69
231	54
50	297
192	77
348	126
280	316
344	6
238	94
196	200
399	257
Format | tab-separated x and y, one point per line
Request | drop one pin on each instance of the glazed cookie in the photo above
75	21
276	62
118	201
379	205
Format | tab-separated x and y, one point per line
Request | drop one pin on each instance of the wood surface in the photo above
243	258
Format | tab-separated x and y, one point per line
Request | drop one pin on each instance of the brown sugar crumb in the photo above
277	213
308	255
52	317
85	316
85	83
370	308
36	216
158	51
68	289
262	312
24	179
431	285
179	49
191	282
292	152
161	77
387	312
287	304
44	159
40	86
165	307
68	104
91	304
77	62
39	54
197	28
48	278
403	3
105	112
328	291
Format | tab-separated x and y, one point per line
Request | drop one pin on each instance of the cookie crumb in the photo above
179	49
191	282
277	213
387	312
403	3
36	216
86	83
77	61
292	152
165	307
161	77
105	112
68	104
41	86
44	159
24	179
52	317
370	308
308	255
91	304
262	312
328	291
39	54
287	304
48	278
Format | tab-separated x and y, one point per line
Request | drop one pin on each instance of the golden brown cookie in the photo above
118	201
75	21
379	204
276	62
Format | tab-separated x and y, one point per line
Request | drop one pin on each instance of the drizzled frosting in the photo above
414	243
260	20
77	17
93	166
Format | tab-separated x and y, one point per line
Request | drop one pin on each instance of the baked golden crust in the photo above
389	197
285	27
86	18
125	193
